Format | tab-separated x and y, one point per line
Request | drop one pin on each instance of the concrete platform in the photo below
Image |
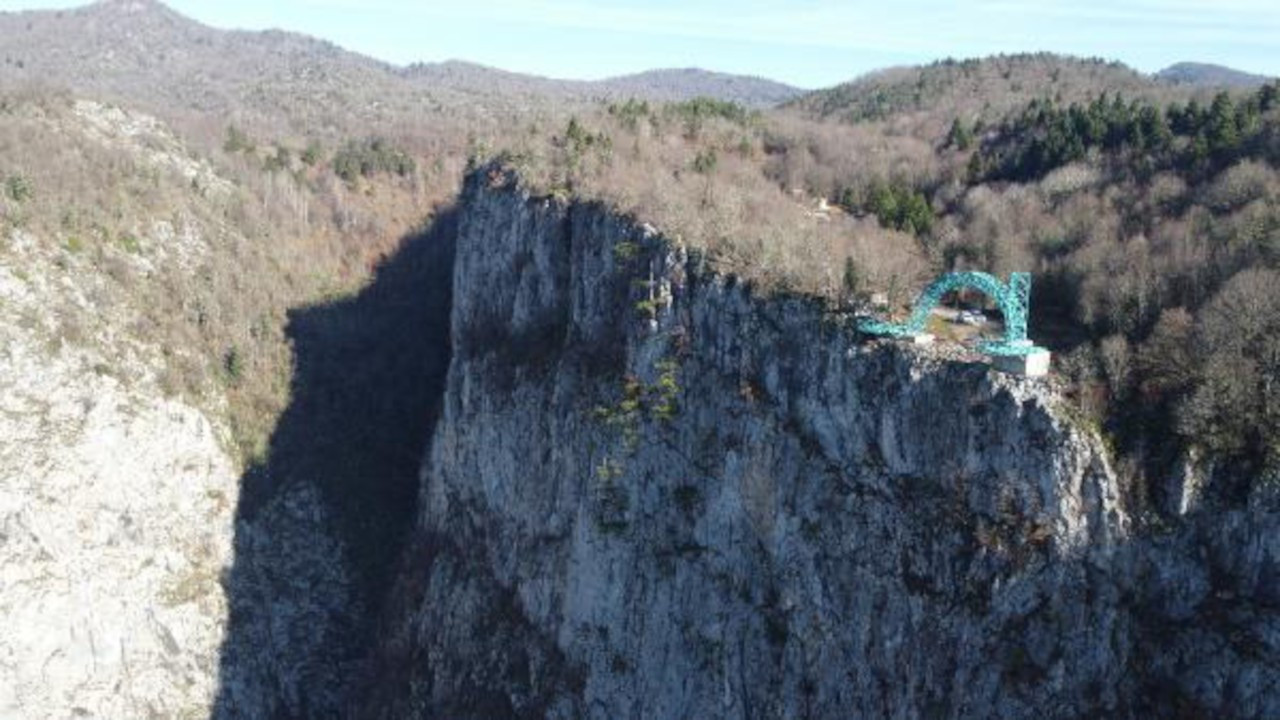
1033	364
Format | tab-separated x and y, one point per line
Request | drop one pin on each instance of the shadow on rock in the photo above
322	521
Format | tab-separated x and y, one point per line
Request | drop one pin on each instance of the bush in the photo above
233	365
18	188
705	161
282	160
237	141
311	155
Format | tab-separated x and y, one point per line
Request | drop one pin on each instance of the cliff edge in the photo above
652	493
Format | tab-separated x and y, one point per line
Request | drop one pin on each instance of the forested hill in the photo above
142	53
656	85
1191	139
227	263
974	88
1194	73
685	83
1173	277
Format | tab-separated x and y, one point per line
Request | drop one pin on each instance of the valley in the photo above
336	388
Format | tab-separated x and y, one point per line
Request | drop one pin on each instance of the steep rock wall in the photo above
653	494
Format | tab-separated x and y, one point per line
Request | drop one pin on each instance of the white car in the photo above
970	317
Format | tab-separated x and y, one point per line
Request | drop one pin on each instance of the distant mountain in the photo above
660	85
680	84
143	53
983	87
1208	74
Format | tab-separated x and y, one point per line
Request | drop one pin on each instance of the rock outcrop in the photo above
642	490
652	493
116	507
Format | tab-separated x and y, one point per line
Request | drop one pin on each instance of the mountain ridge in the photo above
144	48
974	87
1209	74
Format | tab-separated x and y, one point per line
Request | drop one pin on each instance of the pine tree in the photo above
960	136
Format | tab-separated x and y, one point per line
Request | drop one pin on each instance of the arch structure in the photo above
1013	299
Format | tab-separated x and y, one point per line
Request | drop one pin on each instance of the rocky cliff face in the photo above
116	503
653	494
646	492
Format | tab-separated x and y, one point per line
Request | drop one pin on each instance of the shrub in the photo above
705	161
130	243
233	365
311	155
237	141
281	160
18	188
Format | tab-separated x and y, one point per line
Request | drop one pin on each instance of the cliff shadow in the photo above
322	520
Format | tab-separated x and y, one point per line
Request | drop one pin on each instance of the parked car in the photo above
970	317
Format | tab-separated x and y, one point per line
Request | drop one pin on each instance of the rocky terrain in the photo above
115	523
311	408
651	494
116	497
642	489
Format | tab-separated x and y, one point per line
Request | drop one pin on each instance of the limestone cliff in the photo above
653	494
646	492
116	498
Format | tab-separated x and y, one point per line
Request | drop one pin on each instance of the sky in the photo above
810	43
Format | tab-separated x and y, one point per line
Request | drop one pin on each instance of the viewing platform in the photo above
1013	353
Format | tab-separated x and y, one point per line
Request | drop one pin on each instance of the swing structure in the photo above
1013	353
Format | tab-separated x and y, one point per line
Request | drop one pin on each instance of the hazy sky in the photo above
805	42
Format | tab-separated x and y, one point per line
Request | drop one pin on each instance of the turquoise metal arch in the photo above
1013	299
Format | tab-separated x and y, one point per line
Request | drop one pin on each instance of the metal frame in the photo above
1014	300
